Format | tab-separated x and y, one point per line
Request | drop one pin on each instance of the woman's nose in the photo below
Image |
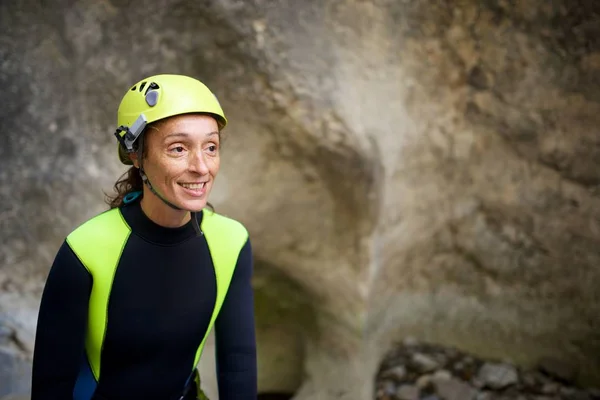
198	163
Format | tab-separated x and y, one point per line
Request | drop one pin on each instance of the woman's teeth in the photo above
193	186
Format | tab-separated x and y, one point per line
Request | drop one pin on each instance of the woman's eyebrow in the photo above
176	134
186	135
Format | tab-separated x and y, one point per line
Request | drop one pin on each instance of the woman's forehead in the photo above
191	126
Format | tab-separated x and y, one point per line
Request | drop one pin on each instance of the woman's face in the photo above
182	159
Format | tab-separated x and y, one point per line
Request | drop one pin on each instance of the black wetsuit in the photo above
160	305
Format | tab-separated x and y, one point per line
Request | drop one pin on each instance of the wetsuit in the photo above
160	304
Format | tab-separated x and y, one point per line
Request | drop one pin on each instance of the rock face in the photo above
410	168
15	373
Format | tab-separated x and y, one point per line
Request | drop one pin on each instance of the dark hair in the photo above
129	182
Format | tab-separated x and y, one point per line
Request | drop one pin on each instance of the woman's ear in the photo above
134	158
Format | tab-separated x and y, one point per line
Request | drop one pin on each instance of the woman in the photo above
134	291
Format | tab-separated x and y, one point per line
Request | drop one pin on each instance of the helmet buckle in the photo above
128	138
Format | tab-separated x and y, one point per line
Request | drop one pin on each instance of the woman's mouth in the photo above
194	189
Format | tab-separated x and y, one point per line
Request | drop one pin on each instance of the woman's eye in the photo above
213	148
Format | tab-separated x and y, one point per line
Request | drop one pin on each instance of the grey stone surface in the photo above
408	392
561	369
485	380
15	374
424	363
417	168
454	389
498	376
424	381
397	373
17	397
442	375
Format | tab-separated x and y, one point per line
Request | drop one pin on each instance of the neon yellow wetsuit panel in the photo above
98	243
225	238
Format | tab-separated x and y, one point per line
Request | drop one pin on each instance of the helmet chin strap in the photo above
146	181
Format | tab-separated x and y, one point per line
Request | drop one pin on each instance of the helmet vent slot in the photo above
152	86
133	88
142	86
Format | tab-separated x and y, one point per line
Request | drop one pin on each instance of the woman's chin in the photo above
193	205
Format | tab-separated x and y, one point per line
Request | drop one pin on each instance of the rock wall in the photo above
411	168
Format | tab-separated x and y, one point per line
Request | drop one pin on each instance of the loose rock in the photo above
454	389
424	363
397	373
442	375
418	371
558	369
388	388
423	381
498	376
407	392
431	397
550	388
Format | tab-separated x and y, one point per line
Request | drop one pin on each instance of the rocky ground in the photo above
416	371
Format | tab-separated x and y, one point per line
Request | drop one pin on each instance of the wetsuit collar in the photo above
143	226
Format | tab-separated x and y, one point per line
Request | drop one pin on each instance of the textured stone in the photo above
494	382
483	396
397	373
442	375
388	388
6	334
15	374
550	388
478	383
430	397
498	376
423	363
417	168
454	389
560	369
16	397
407	392
571	393
424	381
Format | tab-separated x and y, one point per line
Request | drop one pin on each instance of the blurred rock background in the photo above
405	168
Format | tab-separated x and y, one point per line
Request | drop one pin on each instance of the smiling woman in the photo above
173	139
134	291
180	156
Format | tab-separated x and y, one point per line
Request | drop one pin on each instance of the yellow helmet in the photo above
158	97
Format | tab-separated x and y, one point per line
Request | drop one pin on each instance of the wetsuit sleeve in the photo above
235	335
61	324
